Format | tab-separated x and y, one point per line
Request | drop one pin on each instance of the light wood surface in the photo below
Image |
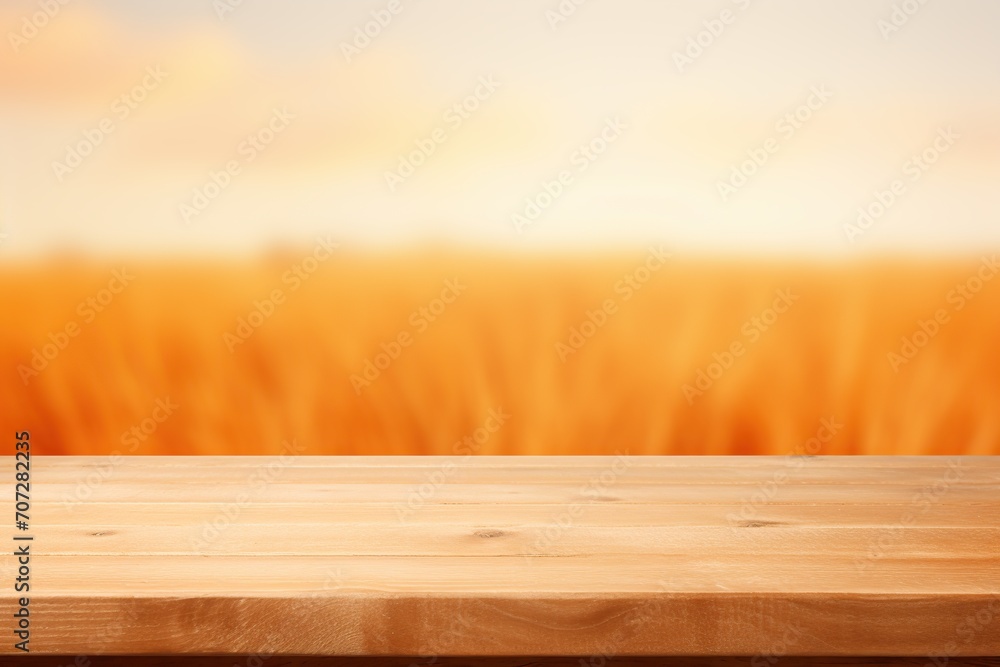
495	556
562	661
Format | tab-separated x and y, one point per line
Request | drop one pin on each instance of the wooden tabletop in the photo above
505	556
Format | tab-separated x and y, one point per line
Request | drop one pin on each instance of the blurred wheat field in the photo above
173	335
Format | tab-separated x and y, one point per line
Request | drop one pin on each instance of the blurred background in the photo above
530	227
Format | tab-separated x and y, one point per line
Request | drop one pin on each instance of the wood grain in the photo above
595	557
519	661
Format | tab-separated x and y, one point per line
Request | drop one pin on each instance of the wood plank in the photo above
631	470
514	556
572	575
72	511
511	494
392	539
538	661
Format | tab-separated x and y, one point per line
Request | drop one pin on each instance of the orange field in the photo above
459	353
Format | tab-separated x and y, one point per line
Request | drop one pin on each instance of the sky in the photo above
750	126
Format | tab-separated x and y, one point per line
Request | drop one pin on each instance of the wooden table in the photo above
594	557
